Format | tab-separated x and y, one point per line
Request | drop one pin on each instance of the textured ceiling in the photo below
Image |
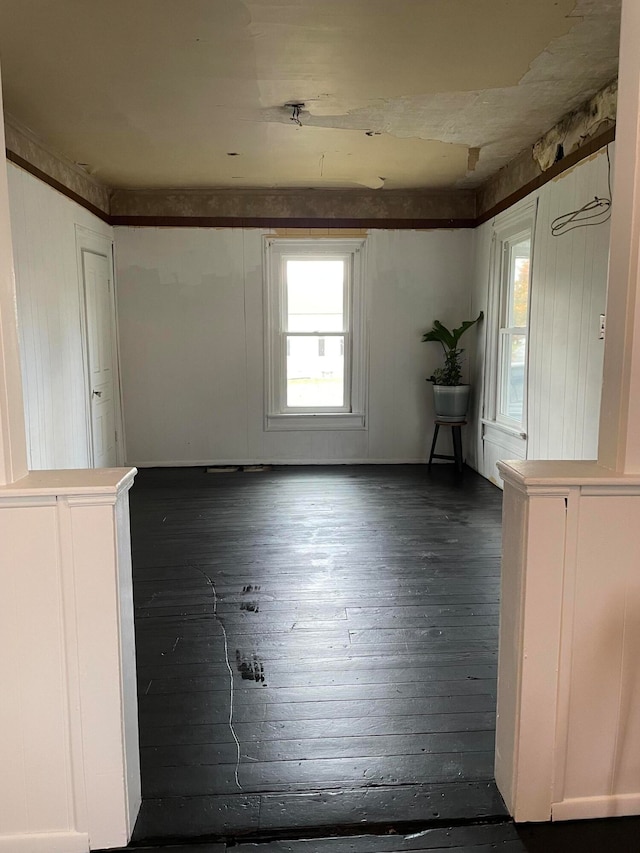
398	93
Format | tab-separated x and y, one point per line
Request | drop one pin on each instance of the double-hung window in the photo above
315	334
514	321
505	404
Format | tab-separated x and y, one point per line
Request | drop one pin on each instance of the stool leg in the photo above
433	444
456	433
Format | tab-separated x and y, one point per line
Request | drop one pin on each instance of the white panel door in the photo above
100	357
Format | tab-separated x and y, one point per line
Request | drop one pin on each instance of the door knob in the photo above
98	393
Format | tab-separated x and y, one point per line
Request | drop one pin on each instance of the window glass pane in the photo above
513	363
315	296
519	284
315	373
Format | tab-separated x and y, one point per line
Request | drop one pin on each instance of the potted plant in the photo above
450	394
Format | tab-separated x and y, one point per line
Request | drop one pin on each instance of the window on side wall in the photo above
514	321
314	334
508	321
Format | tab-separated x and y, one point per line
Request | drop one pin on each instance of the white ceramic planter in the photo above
451	402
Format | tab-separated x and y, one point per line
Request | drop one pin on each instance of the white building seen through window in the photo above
315	334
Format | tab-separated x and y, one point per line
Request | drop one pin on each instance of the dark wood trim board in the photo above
290	222
554	171
56	185
557	169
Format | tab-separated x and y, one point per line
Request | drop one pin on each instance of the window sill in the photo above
339	420
509	430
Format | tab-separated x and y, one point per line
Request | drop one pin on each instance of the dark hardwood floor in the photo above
317	657
355	610
617	835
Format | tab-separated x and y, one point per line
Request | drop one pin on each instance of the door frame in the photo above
99	244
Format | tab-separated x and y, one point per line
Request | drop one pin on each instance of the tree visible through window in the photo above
513	330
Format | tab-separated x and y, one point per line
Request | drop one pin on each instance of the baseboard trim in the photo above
589	808
45	842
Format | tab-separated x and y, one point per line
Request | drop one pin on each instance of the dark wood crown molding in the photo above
408	223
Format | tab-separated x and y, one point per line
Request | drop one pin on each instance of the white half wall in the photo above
568	725
70	778
190	305
43	224
568	292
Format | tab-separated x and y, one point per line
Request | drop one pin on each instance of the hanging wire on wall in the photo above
595	212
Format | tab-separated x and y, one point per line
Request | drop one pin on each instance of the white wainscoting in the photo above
568	731
70	777
190	305
497	444
43	224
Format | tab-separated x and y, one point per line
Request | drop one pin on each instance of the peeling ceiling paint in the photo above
397	94
576	127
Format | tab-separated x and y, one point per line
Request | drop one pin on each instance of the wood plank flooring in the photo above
359	608
619	835
355	612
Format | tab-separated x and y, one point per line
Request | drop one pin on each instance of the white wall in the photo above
482	237
568	294
191	330
70	777
43	225
191	339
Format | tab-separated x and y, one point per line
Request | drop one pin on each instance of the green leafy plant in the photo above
451	373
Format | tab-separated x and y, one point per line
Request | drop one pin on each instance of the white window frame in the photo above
279	416
509	230
506	332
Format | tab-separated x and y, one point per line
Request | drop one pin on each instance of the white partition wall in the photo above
71	778
568	729
13	446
